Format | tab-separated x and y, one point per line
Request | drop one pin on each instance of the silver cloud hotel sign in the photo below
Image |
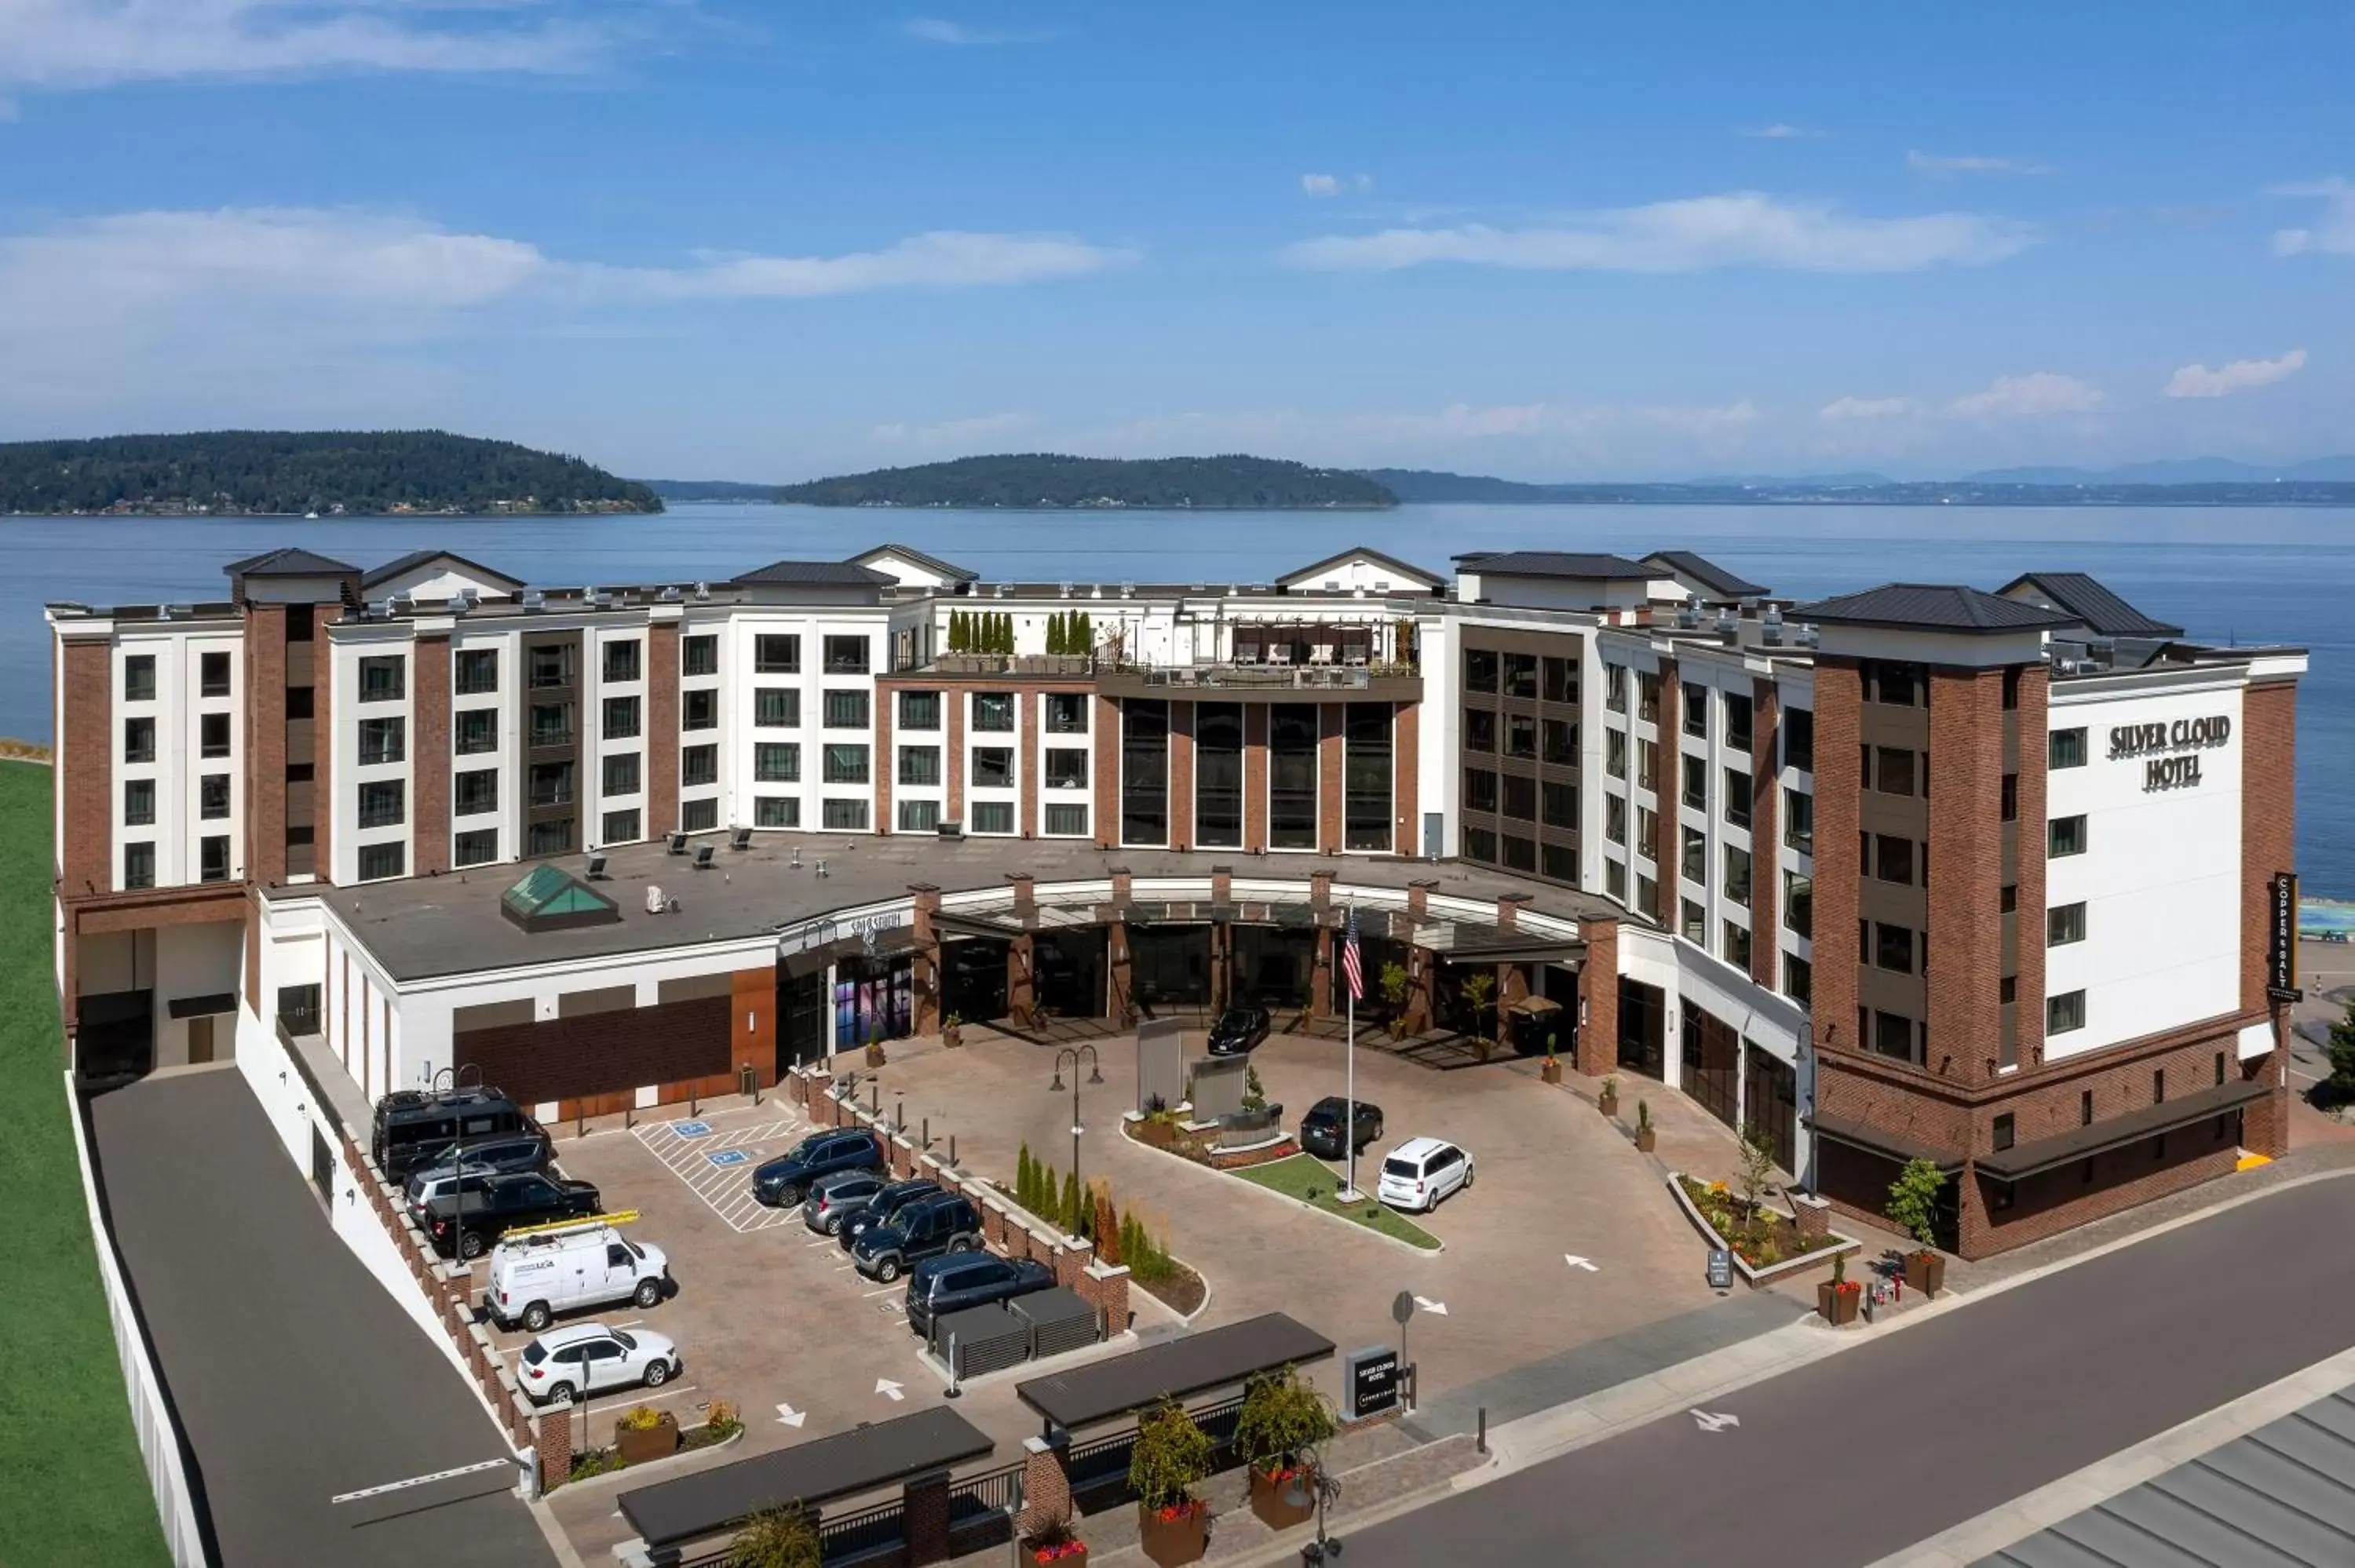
2169	753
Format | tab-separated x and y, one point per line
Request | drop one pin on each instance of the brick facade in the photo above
1330	717
1255	715
85	784
1406	775
1598	993
662	728
1181	776
2027	932
1106	783
1966	765
1838	787
1765	835
1668	864
430	812
264	667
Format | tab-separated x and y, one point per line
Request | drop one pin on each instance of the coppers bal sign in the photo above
2188	737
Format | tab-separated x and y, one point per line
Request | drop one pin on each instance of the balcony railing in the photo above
1298	677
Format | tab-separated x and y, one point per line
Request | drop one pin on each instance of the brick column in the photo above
1966	769
85	778
1598	993
1105	1287
1181	775
1021	992
925	975
1422	999
1840	784
323	739
1406	778
553	1437
1765	835
1046	1480
1073	1256
886	758
662	728
1329	720
925	1518
1106	787
2268	844
2035	756
953	758
1509	910
752	1023
1255	778
1667	789
265	746
1418	898
430	749
1320	985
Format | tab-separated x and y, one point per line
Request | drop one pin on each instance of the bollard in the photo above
928	1132
899	1116
955	1392
1014	1519
579	1122
695	1098
1480	1444
953	1151
874	1098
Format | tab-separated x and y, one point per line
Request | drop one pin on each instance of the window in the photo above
2159	1087
1479	789
139	740
1560	746
138	678
1481	843
1738	719
1366	765
212	795
1561	679
2010	809
1648	765
774	654
846	656
1693	865
1798	903
1615	752
1558	804
1521	674
1798	978
621	774
551	784
2063	924
776	762
138	865
1893	1035
2007	991
920	765
1648	696
2220	1069
776	707
1067	713
698	764
992	816
698	655
1696	783
1896	684
920	816
384	678
1066	820
139	802
1292	782
1559	862
845	816
2064	1012
1520	798
212	678
2007	897
473	793
552	724
2085	1108
786	810
2065	835
477	672
1067	769
383	740
993	768
845	710
846	765
1647	891
549	664
1696	714
1798	820
1893	772
1737	798
380	860
474	730
621	662
1479	730
2066	748
2011	687
702	816
1615	818
1479	670
919	710
699	709
383	803
621	717
1520	737
300	702
1893	859
1615	688
1737	875
1614	879
550	837
481	846
1694	927
212	858
1892	948
1647	829
1737	946
1799	739
2003	1133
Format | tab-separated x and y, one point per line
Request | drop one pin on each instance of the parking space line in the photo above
887	1290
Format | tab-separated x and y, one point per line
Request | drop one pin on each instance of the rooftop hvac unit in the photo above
162	613
2064	666
702	591
1806	636
1688	616
534	599
403	604
670	593
656	902
1770	627
461	602
380	609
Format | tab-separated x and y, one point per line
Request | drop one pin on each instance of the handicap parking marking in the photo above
690	1128
729	1157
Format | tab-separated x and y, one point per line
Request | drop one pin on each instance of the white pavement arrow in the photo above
890	1390
1436	1309
1714	1421
788	1417
1575	1261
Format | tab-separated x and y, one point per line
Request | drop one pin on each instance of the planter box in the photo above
1075	1557
953	1036
1608	1104
1838	1303
1925	1272
1754	1277
1646	1139
656	1443
1550	1073
1267	1502
1170	1542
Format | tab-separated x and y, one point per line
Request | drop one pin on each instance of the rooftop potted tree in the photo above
1171	1457
1838	1296
1912	1208
1647	1136
1282	1418
1551	1071
1608	1101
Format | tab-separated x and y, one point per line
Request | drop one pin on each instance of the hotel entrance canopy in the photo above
1453	938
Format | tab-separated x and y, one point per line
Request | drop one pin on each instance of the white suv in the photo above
590	1358
1420	1172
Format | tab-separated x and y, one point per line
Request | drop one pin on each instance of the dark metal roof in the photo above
1175	1369
1407	567
292	561
811	1474
1707	573
2090	601
416	559
1932	607
2079	1142
2277	1495
1895	1146
1557	564
805	574
948	569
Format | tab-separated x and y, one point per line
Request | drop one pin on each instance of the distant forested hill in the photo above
326	471
1041	479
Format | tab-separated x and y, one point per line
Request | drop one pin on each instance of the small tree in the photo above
1067	1214
1757	1168
2341	1081
1171	1457
1281	1416
1913	1204
1042	1202
1110	1233
1026	1176
776	1538
1391	979
1479	989
1254	1093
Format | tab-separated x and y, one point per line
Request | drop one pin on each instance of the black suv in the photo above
413	1128
883	1208
940	1285
785	1181
927	1228
470	1219
1237	1030
1320	1129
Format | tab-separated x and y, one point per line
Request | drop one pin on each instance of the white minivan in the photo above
535	1276
1420	1172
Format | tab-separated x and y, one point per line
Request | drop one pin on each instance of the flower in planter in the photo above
1059	1549
1171	1513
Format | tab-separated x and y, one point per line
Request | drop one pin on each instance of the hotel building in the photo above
610	846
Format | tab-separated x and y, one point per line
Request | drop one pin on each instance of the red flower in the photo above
1175	1511
1059	1549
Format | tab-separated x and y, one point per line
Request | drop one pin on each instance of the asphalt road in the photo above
1864	1454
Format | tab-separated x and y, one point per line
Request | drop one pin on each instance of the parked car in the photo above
884	1207
1320	1129
536	1277
589	1358
414	1128
926	1228
836	1198
940	1285
436	1181
495	1157
465	1223
1237	1030
1420	1172
787	1180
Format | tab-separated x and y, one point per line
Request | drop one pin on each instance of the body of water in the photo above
2277	575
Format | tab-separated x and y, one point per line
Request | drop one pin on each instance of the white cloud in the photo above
1779	132
942	259
1744	229
1933	164
2199	381
955	437
956	34
2037	395
2332	230
1866	409
66	44
1334	184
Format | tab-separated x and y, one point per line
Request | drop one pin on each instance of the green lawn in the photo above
72	1488
1304	1173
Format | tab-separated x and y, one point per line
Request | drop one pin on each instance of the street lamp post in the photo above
1075	1054
1311	1471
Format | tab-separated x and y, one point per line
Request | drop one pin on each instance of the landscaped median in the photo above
1306	1178
1767	1247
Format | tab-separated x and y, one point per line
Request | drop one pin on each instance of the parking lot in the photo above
1566	1239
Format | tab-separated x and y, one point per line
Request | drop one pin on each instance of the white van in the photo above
535	1276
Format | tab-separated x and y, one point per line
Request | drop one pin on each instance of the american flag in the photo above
1351	969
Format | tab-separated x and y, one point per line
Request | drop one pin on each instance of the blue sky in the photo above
690	238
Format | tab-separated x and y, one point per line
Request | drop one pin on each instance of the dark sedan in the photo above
1237	1030
1320	1129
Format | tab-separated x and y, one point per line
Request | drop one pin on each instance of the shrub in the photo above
1254	1092
1913	1204
1171	1457
722	1419
776	1538
640	1418
595	1462
1281	1416
1067	1211
1108	1237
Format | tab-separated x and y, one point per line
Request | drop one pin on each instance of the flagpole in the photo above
1350	1193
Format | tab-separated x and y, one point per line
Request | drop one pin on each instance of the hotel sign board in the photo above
2169	753
2281	945
1370	1380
